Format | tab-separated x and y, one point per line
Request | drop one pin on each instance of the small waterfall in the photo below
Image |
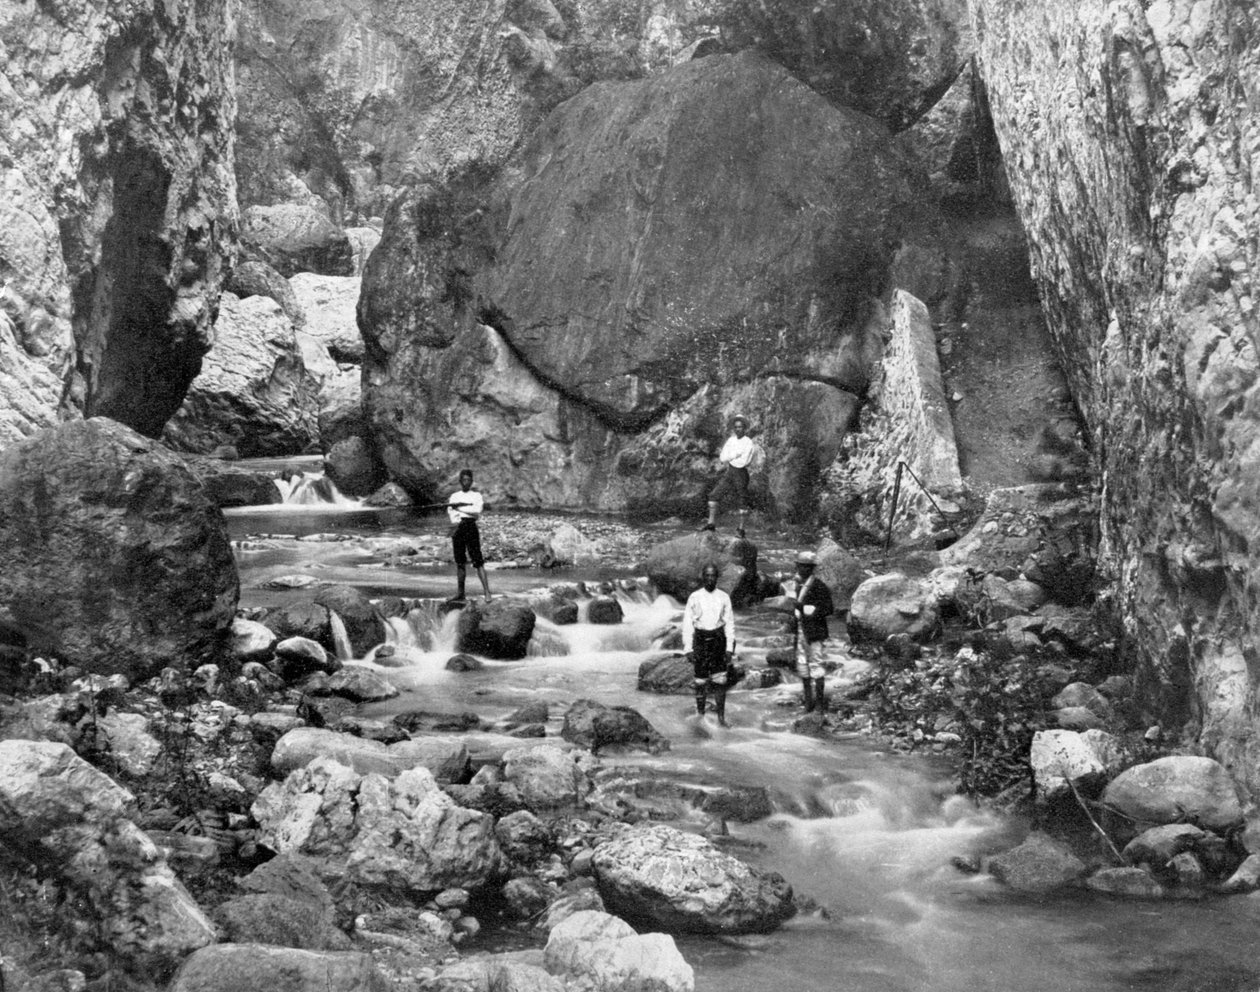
312	489
548	641
340	639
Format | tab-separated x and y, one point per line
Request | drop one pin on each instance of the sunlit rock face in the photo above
565	328
117	205
345	102
1129	133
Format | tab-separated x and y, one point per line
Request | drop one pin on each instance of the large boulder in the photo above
253	391
1038	866
329	303
117	207
667	672
1177	789
294	238
599	727
674	566
565	324
230	967
116	559
608	953
362	620
445	757
401	833
1064	761
684	884
890	604
547	777
65	816
498	629
255	278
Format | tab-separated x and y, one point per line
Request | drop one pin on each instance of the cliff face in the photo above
584	279
1130	133
118	205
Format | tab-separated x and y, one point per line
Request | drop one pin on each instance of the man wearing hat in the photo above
813	606
736	454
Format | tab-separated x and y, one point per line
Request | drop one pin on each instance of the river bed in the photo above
865	834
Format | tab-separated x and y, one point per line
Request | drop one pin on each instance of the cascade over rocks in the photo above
117	206
682	883
1128	134
591	324
115	558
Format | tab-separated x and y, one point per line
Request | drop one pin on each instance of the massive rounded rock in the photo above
1177	789
570	307
684	884
329	303
254	278
115	558
1063	760
253	391
362	620
1038	866
296	238
596	726
668	673
674	566
546	776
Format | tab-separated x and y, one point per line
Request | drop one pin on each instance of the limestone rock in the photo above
400	834
546	776
595	726
445	758
608	953
352	467
890	604
1177	789
674	566
251	640
94	507
253	391
117	206
127	739
362	620
255	278
360	684
570	546
1037	866
684	884
295	238
267	918
1133	883
498	629
299	620
570	364
298	657
604	610
1083	694
1061	759
668	672
329	303
1159	845
230	967
842	572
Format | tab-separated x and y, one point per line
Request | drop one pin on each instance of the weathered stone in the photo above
351	465
1132	883
1038	866
360	684
674	566
1083	694
891	604
604	609
117	207
667	672
683	883
526	897
329	303
523	837
535	712
841	570
1246	878
1063	759
266	918
255	278
555	358
128	742
251	640
608	953
569	546
301	619
362	620
595	726
498	629
445	758
1078	718
295	238
546	776
298	657
252	391
117	560
1159	845
230	967
1177	789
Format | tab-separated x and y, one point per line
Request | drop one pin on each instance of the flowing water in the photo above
866	835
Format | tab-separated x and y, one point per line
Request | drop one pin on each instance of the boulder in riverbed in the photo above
596	726
1038	866
498	629
232	967
684	884
1177	789
115	558
890	604
608	954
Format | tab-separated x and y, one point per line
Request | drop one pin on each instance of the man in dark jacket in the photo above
813	606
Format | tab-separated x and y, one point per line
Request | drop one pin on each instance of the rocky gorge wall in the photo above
118	207
1130	133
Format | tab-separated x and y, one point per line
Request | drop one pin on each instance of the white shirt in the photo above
708	611
470	512
737	452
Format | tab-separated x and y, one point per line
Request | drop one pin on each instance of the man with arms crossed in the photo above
736	455
463	508
709	640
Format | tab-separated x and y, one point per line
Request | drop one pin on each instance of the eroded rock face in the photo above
116	558
117	205
1128	133
542	322
253	391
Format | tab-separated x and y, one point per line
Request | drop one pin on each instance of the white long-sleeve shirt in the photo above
737	452
471	511
708	611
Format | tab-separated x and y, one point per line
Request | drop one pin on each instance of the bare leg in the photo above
713	512
485	583
743	518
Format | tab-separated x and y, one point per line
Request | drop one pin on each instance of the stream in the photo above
866	834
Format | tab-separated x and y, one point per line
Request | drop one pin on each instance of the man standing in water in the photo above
736	455
811	609
709	640
463	508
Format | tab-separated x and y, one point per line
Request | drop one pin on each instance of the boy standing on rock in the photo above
737	454
813	606
709	640
463	509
